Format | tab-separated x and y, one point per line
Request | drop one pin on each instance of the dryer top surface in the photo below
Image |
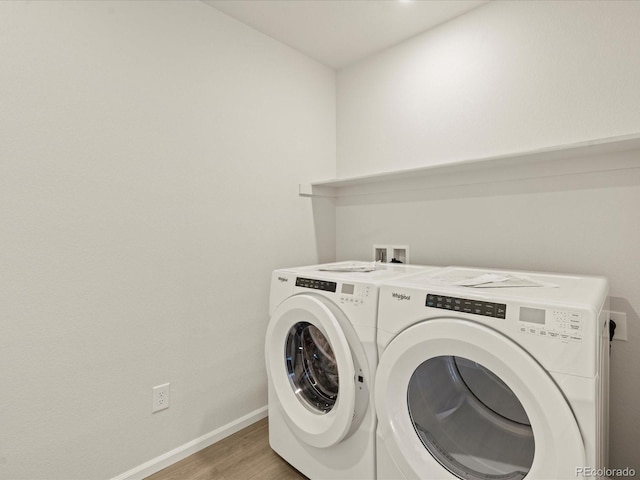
507	285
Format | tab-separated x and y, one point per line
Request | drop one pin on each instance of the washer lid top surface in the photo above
383	272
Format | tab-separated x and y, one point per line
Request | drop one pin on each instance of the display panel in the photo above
532	315
347	288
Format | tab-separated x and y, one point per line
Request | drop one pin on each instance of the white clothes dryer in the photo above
321	357
505	378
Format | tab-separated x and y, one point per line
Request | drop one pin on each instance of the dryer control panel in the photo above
465	305
555	324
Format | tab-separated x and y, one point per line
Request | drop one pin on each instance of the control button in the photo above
431	300
501	310
467	306
489	309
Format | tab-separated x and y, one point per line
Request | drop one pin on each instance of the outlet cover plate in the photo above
160	397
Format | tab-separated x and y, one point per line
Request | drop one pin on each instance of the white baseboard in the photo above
163	461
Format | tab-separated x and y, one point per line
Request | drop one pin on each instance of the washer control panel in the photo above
349	293
464	305
316	284
562	325
354	294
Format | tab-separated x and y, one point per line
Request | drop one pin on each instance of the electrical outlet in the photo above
160	397
621	325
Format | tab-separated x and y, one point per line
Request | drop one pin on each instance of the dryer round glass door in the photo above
311	369
469	420
456	399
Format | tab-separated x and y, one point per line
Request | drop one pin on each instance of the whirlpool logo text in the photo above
400	296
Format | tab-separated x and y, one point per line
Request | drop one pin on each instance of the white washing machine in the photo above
321	357
495	380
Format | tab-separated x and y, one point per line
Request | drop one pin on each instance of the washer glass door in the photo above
469	420
312	367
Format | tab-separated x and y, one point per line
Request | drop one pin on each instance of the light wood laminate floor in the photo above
245	455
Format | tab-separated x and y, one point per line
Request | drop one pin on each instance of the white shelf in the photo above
601	155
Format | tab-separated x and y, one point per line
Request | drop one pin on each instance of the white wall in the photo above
149	160
507	77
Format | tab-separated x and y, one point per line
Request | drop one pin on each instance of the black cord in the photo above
612	333
612	329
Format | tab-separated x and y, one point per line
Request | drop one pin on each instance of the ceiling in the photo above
338	33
